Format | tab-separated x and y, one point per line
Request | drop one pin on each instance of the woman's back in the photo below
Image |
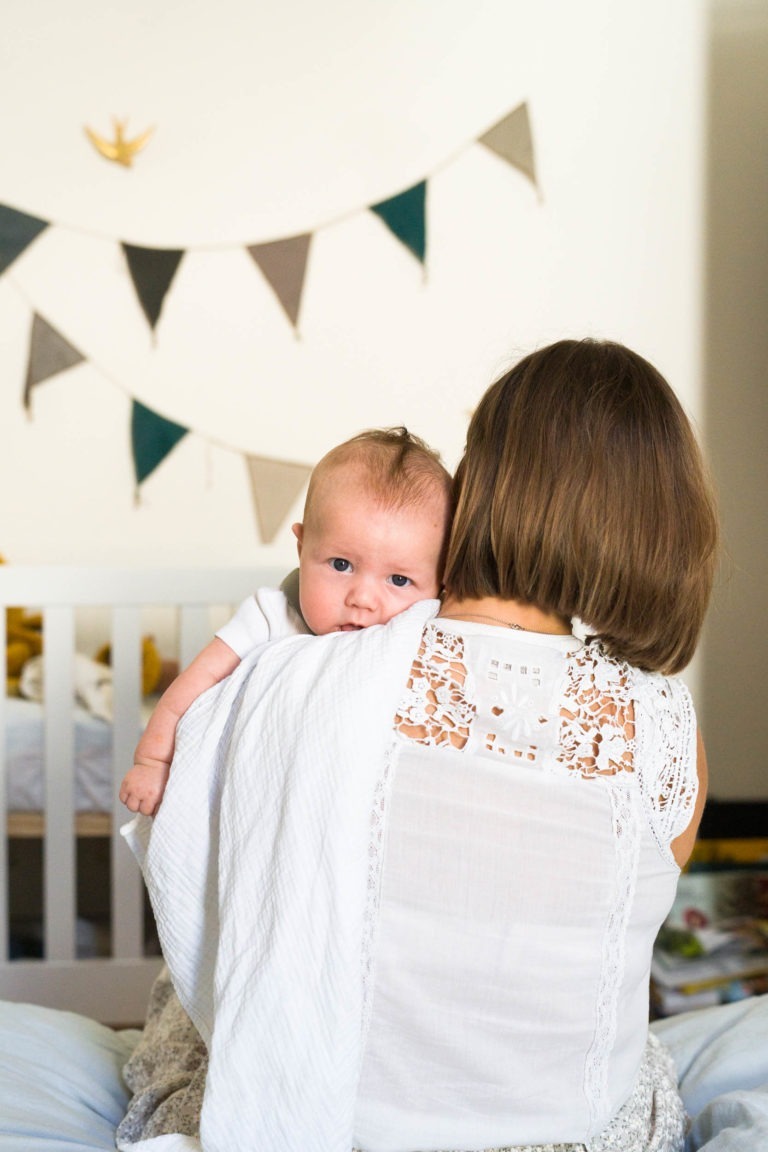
525	869
441	937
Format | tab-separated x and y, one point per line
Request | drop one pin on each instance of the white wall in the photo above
736	398
274	119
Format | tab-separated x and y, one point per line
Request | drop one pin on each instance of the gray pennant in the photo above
284	264
49	354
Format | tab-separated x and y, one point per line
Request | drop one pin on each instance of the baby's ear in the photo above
298	531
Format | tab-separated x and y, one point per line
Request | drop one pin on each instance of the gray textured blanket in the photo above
166	1072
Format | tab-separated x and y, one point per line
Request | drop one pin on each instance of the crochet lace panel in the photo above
435	709
596	731
668	774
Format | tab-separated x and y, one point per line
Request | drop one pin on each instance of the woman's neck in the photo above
505	613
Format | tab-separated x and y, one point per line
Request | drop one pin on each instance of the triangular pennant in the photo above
284	263
275	484
511	139
17	231
49	354
152	438
152	270
405	215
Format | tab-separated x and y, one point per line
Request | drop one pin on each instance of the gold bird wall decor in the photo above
119	150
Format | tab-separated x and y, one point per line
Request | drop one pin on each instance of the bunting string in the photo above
283	263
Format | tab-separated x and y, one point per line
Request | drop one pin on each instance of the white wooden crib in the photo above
110	988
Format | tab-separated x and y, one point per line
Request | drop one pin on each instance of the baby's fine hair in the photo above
583	491
394	467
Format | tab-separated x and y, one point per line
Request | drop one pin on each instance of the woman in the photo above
436	933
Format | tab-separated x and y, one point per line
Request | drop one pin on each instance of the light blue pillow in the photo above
61	1082
721	1056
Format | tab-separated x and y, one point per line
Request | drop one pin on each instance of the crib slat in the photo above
194	631
113	989
127	885
4	931
54	584
59	854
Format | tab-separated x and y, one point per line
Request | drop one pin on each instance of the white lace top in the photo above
524	869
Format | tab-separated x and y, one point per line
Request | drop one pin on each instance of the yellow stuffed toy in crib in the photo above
24	639
152	664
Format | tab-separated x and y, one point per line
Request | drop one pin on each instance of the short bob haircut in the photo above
582	491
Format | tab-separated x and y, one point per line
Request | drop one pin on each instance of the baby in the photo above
371	544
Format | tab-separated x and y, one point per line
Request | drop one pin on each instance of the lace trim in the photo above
375	867
667	753
598	719
626	838
435	709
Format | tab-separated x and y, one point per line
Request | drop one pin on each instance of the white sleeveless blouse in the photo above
525	867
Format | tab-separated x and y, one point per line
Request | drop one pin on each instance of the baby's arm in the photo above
144	784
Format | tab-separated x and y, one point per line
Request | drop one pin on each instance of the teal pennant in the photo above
405	216
17	231
152	438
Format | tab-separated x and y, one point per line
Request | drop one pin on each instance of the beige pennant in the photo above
275	484
511	139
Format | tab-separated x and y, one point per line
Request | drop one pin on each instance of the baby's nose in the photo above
363	594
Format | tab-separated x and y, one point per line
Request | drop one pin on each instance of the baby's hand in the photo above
143	786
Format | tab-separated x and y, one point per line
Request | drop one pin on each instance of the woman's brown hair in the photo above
582	490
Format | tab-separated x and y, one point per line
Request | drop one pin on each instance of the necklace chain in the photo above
479	616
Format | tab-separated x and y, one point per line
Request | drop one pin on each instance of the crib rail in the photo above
115	989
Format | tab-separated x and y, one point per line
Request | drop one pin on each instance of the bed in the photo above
59	769
61	1085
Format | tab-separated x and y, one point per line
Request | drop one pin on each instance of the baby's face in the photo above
361	564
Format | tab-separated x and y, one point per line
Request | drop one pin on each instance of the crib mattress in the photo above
94	776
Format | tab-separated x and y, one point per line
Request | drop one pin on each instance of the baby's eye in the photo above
339	564
400	581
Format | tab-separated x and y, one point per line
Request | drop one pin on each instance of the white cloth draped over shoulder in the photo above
257	865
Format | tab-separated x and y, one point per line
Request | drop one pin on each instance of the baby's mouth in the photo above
350	627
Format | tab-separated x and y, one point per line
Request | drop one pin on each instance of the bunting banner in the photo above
49	354
283	262
275	484
17	231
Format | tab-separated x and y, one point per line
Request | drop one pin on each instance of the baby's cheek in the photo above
413	595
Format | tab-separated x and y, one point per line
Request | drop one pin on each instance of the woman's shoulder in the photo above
654	713
592	664
647	729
